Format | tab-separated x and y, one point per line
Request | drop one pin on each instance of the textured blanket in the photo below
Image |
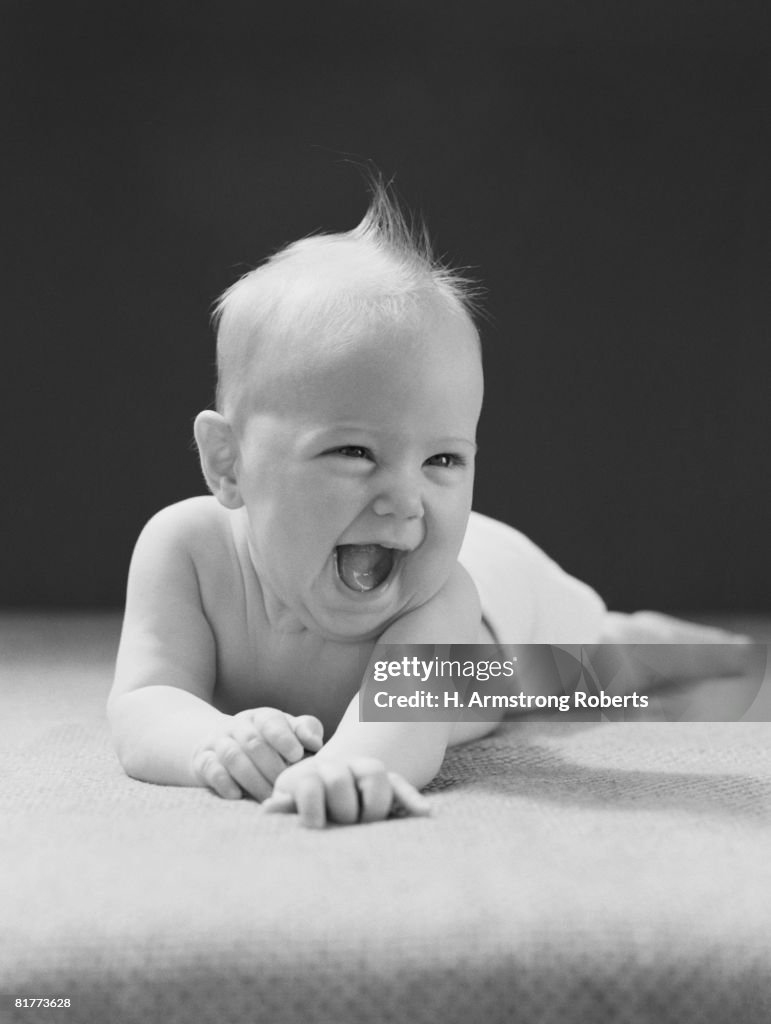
568	873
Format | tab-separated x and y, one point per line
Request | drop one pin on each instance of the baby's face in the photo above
356	472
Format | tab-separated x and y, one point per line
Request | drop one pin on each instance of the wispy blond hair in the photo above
381	273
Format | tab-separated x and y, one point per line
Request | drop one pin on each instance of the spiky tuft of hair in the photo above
382	272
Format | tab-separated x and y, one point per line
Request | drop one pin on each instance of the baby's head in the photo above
331	291
349	390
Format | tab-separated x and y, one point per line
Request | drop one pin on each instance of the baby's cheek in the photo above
331	499
451	530
433	569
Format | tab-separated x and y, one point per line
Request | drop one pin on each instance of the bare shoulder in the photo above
184	553
166	633
187	526
192	539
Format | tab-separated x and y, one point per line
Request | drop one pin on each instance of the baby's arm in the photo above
367	767
164	726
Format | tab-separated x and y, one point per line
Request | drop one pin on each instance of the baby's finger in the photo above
242	769
213	774
309	731
310	802
276	730
375	796
259	751
280	803
407	797
342	794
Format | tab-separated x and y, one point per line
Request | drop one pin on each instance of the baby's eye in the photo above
446	460
352	451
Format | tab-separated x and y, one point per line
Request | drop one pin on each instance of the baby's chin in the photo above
343	633
357	625
346	616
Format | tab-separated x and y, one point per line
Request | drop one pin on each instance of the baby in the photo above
340	462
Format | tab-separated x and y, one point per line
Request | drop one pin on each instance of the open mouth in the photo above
364	567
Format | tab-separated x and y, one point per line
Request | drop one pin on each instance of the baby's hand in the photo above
252	749
346	791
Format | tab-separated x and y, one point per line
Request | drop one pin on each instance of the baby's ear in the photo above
218	450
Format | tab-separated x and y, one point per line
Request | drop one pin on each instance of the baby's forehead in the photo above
297	335
318	343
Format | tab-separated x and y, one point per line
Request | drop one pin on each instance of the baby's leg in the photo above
464	732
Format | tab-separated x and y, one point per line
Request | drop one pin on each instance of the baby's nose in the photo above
400	496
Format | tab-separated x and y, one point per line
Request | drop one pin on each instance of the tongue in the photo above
363	566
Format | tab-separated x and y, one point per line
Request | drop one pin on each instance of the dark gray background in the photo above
604	169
